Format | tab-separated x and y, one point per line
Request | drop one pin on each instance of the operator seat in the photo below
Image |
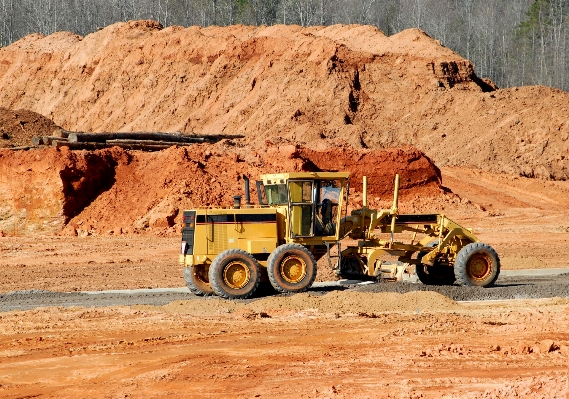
323	222
326	211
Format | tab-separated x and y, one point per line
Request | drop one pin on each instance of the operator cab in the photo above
314	200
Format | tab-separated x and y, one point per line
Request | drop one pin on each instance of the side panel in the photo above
200	239
214	228
260	246
254	225
256	233
253	230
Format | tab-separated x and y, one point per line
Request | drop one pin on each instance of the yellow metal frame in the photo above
364	222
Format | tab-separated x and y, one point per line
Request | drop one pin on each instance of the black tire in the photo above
291	268
436	274
477	264
234	274
197	280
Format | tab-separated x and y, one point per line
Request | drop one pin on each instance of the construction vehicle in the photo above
299	218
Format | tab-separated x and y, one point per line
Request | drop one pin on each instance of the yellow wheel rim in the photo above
479	267
293	269
236	275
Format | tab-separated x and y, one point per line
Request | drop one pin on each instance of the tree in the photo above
513	42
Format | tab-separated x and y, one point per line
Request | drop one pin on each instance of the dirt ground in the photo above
301	348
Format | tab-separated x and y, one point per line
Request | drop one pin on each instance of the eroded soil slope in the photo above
113	191
289	84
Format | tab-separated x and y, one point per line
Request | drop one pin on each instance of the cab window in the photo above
276	194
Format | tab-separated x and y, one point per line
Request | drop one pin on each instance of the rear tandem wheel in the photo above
291	268
234	274
197	280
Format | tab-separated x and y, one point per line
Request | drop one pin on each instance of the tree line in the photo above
512	42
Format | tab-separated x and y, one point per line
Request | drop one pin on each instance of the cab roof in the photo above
281	178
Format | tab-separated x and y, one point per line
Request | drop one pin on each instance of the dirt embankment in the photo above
18	127
312	86
119	191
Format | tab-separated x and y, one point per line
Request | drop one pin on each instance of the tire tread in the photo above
279	251
217	263
465	253
194	289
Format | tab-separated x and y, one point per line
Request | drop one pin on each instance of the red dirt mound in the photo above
18	127
115	190
312	86
416	170
42	190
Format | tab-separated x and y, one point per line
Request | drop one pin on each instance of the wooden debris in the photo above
100	146
48	140
60	133
77	137
145	141
24	148
142	142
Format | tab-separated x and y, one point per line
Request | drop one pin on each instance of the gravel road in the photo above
523	287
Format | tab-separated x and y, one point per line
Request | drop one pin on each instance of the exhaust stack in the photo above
394	209
236	201
248	203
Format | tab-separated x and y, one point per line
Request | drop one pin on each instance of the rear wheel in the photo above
197	280
477	264
291	268
234	274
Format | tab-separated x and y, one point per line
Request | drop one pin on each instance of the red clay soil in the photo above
39	190
312	86
342	345
119	191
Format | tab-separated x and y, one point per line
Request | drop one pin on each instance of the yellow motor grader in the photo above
299	218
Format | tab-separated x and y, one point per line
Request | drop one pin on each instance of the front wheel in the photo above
477	264
291	268
234	274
